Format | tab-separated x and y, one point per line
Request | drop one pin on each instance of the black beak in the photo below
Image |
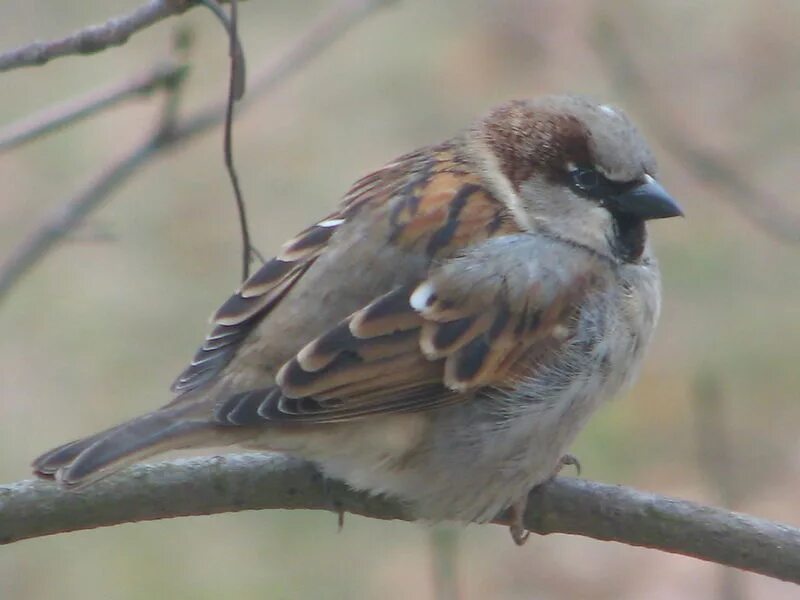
646	200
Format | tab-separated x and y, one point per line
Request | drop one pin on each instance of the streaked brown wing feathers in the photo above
397	355
419	347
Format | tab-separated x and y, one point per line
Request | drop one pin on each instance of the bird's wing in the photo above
479	319
429	203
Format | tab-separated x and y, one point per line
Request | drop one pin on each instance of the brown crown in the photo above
528	139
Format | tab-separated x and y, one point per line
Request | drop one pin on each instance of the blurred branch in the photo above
718	462
733	183
716	454
70	214
210	485
95	38
443	540
320	35
68	113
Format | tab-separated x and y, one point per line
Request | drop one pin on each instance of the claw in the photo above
568	459
333	502
516	511
516	528
340	521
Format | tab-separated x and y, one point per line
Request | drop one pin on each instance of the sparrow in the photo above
445	333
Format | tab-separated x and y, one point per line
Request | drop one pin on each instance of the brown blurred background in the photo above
97	331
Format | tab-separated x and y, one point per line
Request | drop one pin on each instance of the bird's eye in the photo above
586	180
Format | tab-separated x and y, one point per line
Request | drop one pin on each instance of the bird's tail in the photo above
85	461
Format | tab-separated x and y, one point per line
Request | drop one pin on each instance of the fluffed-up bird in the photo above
445	333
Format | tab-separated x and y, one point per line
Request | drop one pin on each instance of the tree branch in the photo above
94	38
210	485
166	74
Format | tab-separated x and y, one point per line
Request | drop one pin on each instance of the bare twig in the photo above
760	207
320	35
236	86
210	485
72	111
95	38
231	24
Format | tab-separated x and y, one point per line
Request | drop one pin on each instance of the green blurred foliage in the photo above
98	330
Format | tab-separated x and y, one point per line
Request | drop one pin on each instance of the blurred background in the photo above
96	332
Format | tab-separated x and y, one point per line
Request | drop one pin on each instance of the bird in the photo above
444	334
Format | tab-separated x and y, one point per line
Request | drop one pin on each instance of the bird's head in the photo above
577	169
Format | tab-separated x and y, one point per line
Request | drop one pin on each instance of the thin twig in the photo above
231	24
95	38
328	28
72	111
235	92
211	485
760	207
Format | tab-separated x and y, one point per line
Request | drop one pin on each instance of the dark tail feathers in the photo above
84	461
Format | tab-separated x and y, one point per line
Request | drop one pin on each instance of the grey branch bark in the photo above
94	38
210	485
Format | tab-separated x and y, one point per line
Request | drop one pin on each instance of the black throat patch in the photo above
629	238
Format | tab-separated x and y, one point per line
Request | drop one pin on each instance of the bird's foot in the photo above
516	512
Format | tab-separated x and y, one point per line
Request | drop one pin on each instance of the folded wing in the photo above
476	320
